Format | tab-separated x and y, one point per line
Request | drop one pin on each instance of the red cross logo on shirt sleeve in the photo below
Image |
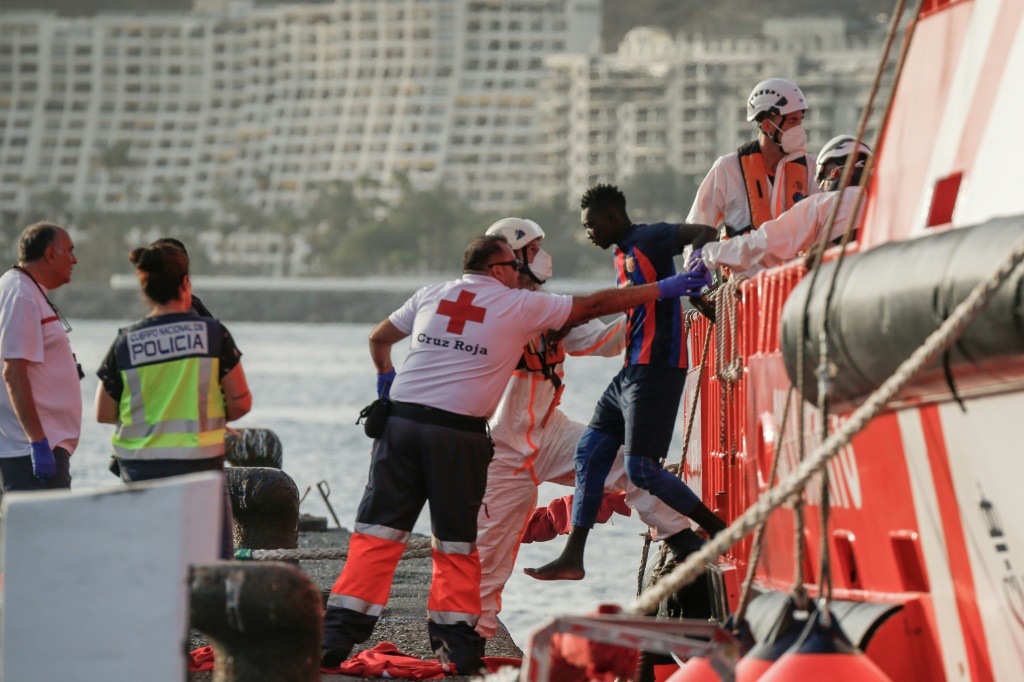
461	310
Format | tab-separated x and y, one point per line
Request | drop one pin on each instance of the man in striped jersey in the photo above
638	409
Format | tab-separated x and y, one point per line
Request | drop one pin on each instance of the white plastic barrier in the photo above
95	582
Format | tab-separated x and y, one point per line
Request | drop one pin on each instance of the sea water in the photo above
309	382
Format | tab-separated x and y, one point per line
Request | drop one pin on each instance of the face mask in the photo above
541	267
793	140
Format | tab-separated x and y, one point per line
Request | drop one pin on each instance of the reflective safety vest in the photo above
759	190
172	406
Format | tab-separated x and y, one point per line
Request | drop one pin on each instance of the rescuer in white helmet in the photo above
534	442
765	177
796	230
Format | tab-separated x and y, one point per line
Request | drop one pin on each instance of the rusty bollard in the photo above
253	448
264	621
265	505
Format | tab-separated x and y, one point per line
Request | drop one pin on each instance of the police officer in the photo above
171	382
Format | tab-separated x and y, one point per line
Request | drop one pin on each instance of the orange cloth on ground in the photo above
383	658
547	523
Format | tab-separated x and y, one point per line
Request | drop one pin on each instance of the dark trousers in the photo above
16	473
136	470
637	410
414	463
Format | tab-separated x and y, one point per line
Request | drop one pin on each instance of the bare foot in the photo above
559	569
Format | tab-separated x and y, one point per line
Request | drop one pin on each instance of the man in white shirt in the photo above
41	408
765	177
466	337
796	230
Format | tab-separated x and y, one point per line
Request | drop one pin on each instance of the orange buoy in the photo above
823	652
719	662
697	669
784	633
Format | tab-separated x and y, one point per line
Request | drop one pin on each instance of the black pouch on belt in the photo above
374	416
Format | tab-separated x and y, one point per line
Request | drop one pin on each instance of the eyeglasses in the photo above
514	264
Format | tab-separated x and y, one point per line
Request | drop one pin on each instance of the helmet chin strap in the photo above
774	137
526	267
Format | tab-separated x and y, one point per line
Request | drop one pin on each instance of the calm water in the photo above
309	383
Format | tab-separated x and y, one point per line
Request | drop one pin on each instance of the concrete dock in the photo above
404	620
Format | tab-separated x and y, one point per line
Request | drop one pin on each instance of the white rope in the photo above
933	346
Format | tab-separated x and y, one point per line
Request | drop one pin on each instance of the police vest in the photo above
172	406
759	192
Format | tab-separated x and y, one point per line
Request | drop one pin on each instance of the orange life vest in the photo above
543	355
759	192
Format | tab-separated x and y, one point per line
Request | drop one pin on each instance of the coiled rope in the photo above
936	343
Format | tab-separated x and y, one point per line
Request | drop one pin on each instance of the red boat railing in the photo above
733	462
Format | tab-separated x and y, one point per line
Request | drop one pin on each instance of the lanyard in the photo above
56	311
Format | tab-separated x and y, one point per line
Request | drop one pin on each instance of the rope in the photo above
936	343
824	369
418	548
725	308
644	553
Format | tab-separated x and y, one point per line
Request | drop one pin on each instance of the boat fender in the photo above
888	300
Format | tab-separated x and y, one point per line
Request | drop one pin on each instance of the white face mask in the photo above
793	140
541	267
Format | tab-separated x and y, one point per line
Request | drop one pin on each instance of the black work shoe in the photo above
332	658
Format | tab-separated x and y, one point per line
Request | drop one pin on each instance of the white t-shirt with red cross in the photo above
30	330
466	338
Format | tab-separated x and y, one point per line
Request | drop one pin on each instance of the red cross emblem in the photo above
461	310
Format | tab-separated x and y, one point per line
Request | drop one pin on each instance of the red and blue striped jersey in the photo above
655	329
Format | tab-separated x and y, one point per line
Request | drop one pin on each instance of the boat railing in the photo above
730	455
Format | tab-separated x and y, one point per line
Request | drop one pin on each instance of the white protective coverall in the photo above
528	452
722	195
781	239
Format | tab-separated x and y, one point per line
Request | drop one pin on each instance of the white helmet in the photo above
518	231
774	96
838	148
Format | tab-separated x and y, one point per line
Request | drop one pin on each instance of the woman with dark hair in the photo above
171	381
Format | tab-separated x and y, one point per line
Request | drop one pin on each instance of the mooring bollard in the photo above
253	448
264	621
265	505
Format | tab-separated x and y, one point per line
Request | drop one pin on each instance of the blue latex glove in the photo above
44	465
701	269
384	383
695	260
687	284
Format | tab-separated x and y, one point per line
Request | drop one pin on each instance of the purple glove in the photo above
44	465
696	259
687	284
384	383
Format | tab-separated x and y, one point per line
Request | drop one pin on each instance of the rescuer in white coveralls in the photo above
534	441
765	177
796	230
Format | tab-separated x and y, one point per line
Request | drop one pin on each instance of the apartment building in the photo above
238	102
680	102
